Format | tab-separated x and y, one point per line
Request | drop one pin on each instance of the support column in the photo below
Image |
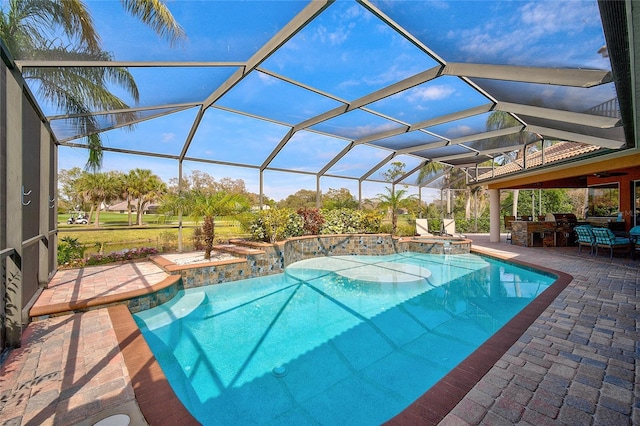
261	189
47	202
180	187
494	215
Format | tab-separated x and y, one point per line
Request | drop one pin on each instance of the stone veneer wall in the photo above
148	301
265	259
273	258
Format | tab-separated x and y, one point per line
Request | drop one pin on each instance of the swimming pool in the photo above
344	339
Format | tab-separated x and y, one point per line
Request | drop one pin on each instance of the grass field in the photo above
158	231
114	233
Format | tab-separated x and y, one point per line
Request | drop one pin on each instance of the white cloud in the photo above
458	131
335	38
431	93
556	16
528	33
168	137
266	78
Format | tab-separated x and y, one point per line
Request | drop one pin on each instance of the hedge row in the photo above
279	224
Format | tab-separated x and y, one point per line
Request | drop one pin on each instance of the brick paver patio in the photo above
576	364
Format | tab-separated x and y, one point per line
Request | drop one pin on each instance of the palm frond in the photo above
156	14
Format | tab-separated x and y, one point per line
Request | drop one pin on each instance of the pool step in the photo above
237	250
175	309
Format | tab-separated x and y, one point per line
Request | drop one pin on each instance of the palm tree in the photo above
393	201
126	193
100	188
144	187
209	206
156	189
25	26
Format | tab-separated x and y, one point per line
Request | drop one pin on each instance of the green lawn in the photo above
114	233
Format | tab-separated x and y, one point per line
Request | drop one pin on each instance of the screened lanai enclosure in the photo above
311	92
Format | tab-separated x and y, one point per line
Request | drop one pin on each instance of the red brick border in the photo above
155	397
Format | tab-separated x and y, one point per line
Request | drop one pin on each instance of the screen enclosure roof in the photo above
342	89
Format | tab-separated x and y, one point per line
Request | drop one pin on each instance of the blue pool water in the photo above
338	340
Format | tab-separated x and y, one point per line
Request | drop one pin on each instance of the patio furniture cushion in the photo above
606	238
422	227
585	237
449	228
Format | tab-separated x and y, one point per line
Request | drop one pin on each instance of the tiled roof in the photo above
556	152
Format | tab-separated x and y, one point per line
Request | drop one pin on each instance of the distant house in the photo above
121	207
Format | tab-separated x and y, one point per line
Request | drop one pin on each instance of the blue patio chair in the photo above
607	239
585	238
634	236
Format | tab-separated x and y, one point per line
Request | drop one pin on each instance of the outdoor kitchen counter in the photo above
533	234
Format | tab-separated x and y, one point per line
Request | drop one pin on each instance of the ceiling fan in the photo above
609	174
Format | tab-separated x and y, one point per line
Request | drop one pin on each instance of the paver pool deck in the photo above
577	362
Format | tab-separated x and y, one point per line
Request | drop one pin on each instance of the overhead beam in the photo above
123	64
470	138
382	135
436	177
377	166
472	154
398	87
459	115
432	145
410	172
313	9
556	76
575	137
336	158
299	84
172	107
398	28
277	149
192	133
428	123
558	115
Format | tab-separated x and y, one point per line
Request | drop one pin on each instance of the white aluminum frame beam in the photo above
463	139
556	76
590	120
575	137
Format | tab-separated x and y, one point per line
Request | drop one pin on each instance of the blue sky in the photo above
346	52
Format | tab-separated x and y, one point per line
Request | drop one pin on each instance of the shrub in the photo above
313	220
385	228
405	230
70	251
168	240
342	221
120	256
372	221
197	239
276	224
